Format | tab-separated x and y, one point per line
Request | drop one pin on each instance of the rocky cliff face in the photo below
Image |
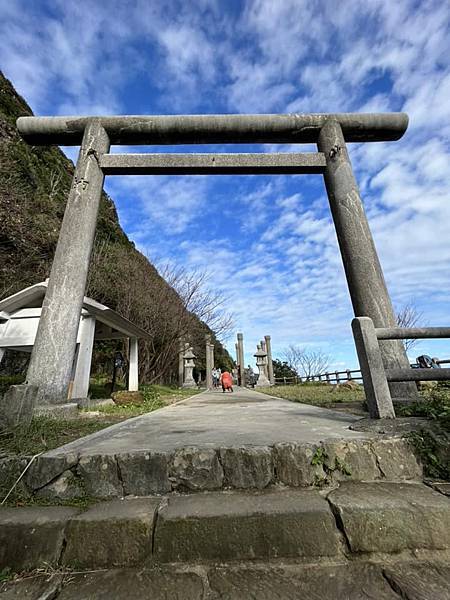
34	185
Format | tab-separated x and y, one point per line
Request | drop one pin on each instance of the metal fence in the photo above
334	376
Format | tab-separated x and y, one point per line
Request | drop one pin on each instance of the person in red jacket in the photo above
227	381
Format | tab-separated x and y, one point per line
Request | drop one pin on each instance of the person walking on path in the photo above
227	381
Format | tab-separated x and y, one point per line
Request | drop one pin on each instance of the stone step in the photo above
67	475
362	581
353	522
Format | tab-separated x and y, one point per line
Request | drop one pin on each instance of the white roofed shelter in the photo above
19	319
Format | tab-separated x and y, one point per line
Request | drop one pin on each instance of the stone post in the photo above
376	387
209	364
181	363
269	360
365	278
240	339
54	348
211	348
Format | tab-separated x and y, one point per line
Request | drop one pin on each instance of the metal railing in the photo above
331	377
375	376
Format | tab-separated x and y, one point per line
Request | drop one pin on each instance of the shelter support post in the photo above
269	359
54	348
83	367
209	364
240	341
2	354
365	278
133	377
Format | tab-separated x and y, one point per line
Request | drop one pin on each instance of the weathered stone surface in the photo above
349	582
100	476
247	467
17	404
44	587
66	411
126	397
396	459
390	517
158	584
440	486
350	460
46	468
293	465
196	469
420	582
30	537
144	473
65	487
242	525
110	534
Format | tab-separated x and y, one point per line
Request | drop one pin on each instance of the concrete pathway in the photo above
213	419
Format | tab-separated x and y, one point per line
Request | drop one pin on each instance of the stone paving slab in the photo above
346	582
32	536
110	534
213	420
387	517
237	526
420	582
40	587
246	581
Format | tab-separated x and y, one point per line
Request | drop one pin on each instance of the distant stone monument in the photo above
261	357
209	354
270	372
189	364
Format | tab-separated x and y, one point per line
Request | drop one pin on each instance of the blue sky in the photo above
268	241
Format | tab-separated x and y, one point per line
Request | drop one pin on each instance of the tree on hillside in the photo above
199	299
306	362
170	306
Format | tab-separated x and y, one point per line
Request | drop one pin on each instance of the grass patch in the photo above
317	394
155	396
45	434
433	444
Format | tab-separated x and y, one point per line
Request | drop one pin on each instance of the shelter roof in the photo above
33	296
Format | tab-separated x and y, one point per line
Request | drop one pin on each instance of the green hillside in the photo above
34	185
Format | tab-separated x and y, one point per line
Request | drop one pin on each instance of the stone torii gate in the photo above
53	352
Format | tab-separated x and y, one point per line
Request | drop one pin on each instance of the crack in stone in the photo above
119	475
339	523
377	462
164	502
72	468
394	586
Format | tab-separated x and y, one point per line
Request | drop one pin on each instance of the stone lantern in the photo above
189	381
261	358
